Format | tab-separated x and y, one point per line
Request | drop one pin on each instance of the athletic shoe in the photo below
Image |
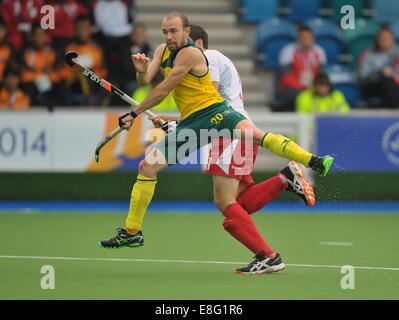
298	184
124	239
321	165
262	264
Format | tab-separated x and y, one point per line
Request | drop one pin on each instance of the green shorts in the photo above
197	130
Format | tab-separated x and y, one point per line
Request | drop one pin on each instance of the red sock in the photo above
258	195
240	225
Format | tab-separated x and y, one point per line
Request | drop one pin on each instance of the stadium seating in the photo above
303	9
363	28
394	26
271	36
257	10
385	10
274	32
328	36
360	38
343	78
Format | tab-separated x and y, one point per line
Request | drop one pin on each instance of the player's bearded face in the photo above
175	35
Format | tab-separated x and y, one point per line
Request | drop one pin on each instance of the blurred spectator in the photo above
124	71
113	17
139	40
83	91
114	21
66	12
40	76
166	105
20	16
299	63
89	5
11	96
378	70
321	97
5	49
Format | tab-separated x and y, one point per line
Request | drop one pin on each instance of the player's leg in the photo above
240	225
284	147
143	191
164	152
237	221
291	178
141	196
256	196
225	190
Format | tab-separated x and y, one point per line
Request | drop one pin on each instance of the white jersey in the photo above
223	71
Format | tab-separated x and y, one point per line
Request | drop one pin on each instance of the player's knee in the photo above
222	202
219	202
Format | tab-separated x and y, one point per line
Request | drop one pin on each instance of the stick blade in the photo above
103	142
69	56
97	155
99	147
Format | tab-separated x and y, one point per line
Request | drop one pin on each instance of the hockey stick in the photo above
69	56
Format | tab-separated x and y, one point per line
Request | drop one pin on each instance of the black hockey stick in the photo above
69	56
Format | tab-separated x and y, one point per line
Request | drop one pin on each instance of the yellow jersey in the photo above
192	93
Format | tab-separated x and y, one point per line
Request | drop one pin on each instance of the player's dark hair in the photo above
181	15
198	32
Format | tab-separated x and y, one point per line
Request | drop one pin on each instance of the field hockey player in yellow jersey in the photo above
202	108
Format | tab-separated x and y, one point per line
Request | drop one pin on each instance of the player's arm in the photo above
214	69
147	70
186	60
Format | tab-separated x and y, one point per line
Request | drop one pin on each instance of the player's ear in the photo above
187	31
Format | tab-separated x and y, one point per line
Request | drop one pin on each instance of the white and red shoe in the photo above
262	265
298	184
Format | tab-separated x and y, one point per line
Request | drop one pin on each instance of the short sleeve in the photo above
214	67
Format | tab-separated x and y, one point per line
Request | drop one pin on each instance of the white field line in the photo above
186	261
335	243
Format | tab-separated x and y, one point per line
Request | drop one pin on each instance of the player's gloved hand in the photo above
170	126
125	121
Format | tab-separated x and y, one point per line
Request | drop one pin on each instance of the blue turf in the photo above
191	206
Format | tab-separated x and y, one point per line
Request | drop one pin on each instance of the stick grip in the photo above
133	102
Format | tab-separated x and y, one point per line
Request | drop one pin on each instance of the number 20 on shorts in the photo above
217	119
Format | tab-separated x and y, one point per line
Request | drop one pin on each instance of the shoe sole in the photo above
307	188
137	245
271	269
327	163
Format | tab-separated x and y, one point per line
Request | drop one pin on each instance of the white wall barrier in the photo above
65	140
